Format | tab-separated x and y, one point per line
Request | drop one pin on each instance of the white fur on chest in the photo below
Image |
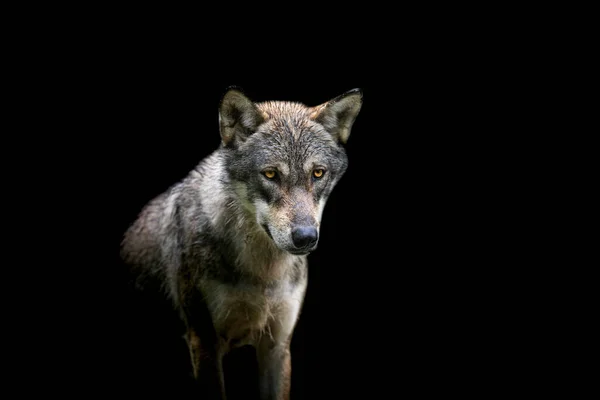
242	313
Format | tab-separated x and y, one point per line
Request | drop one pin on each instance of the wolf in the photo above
229	242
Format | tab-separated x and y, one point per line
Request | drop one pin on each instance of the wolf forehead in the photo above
289	120
289	132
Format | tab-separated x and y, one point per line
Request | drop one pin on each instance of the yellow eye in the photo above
318	173
270	174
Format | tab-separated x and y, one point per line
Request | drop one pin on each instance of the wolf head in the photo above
285	159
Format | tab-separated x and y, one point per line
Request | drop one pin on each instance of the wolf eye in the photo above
318	173
270	174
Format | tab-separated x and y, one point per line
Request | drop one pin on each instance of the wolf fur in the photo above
229	243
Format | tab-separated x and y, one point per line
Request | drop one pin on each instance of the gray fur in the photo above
220	241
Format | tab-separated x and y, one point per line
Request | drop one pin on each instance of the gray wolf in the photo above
229	242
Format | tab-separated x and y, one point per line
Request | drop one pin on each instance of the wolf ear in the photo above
338	114
238	116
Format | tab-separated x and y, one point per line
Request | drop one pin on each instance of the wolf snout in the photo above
304	237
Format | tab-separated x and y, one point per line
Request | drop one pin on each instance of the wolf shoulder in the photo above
155	236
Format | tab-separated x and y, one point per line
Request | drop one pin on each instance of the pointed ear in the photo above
338	114
238	116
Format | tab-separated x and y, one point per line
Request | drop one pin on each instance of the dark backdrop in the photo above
165	129
416	288
399	288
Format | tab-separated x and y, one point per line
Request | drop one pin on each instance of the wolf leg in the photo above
207	366
274	368
205	357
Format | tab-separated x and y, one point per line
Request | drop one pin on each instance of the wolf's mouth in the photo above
299	252
266	228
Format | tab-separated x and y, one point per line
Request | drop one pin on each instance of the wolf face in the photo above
285	159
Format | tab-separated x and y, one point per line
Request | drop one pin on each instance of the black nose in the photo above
304	236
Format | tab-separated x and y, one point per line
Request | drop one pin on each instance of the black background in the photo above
394	293
401	289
